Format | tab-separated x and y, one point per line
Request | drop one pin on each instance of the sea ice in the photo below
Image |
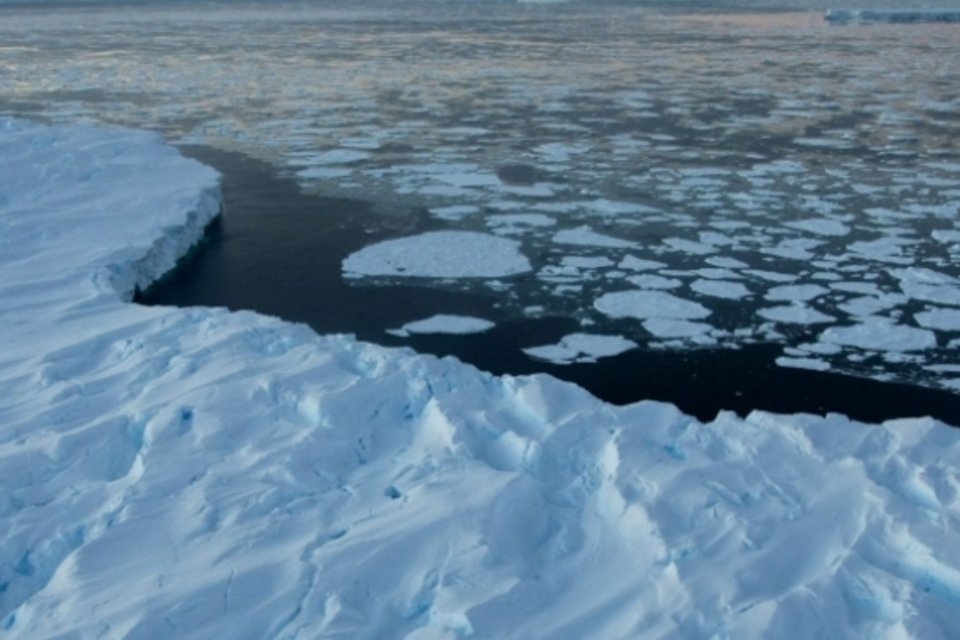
198	473
794	314
584	236
649	304
720	289
798	293
941	319
442	323
880	334
672	328
439	254
581	347
814	364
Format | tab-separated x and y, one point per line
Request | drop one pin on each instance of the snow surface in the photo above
198	473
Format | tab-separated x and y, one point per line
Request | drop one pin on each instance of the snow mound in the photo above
197	473
439	254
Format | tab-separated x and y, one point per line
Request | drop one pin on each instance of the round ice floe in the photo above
880	334
794	314
581	347
720	289
584	236
447	324
439	254
649	304
673	328
814	364
821	226
797	292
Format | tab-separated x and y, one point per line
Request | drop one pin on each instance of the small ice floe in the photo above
673	328
337	156
587	262
813	364
720	289
869	305
439	254
726	262
880	334
443	324
820	226
794	314
689	246
632	263
942	319
644	305
587	237
323	173
581	347
653	281
795	293
454	212
518	221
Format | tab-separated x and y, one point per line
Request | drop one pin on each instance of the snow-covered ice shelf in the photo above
197	473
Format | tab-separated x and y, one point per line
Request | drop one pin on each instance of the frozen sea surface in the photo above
200	472
772	146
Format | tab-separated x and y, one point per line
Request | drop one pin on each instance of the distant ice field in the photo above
768	173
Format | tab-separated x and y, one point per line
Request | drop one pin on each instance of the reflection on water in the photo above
800	181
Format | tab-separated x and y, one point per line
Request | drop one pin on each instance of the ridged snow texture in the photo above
195	473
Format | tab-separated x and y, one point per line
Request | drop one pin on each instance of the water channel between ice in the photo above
279	251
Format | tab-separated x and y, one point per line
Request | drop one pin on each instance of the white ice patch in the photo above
520	220
720	289
585	236
649	304
454	212
439	254
652	281
671	328
941	319
444	324
581	347
813	364
336	156
689	246
795	314
798	293
820	227
323	173
880	334
632	263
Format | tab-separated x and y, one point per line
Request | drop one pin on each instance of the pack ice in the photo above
196	473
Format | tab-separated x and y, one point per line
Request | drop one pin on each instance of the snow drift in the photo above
197	473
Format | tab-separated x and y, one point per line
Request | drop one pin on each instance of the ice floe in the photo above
445	324
880	334
200	472
439	254
649	304
581	347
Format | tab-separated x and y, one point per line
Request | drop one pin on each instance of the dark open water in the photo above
278	251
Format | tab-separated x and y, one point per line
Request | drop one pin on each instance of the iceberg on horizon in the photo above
897	16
